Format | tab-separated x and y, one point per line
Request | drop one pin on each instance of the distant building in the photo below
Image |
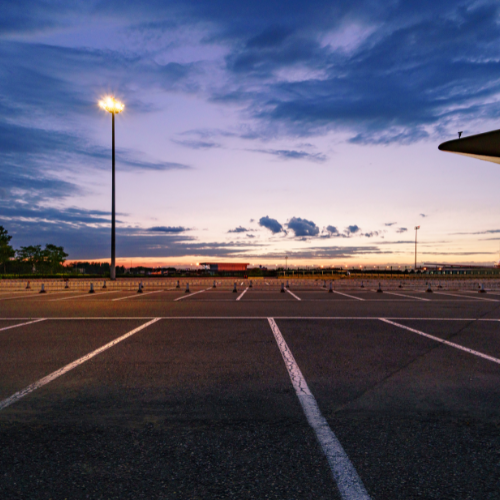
217	267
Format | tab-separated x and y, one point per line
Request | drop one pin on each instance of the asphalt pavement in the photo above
196	396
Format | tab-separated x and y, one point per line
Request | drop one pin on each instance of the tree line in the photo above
31	258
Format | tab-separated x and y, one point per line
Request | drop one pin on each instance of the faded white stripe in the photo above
442	341
292	294
22	324
45	380
348	482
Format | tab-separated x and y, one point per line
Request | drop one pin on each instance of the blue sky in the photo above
252	130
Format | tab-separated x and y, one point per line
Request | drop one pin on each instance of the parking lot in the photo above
258	393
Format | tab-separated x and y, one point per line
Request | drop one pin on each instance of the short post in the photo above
282	288
28	286
214	286
91	288
482	289
429	289
400	284
324	284
104	284
139	290
43	289
251	284
287	284
67	284
362	285
331	288
178	284
439	285
187	288
379	288
234	289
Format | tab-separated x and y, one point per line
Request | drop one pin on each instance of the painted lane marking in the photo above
242	293
45	380
407	296
292	294
347	295
22	324
442	341
348	482
27	296
137	295
83	296
468	298
190	295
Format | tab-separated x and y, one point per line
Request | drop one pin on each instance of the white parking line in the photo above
190	294
462	297
292	294
242	293
45	380
408	296
442	341
27	296
347	295
137	295
83	296
348	482
22	324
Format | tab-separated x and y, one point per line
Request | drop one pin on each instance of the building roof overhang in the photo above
481	146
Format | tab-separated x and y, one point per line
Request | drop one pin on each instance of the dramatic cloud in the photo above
168	229
239	229
488	231
350	230
197	144
272	224
302	227
286	154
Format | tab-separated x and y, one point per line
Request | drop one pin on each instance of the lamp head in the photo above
109	103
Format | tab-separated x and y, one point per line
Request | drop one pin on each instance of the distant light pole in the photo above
114	107
416	229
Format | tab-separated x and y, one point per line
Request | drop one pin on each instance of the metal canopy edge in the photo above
484	146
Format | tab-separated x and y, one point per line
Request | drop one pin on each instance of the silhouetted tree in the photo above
6	251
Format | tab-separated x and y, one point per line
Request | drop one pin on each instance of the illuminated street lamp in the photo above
114	107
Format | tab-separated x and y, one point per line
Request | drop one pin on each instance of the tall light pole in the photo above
416	229
114	107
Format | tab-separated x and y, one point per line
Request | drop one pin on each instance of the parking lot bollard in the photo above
250	286
234	289
362	285
178	284
429	289
282	288
104	284
324	284
379	288
482	289
28	286
139	290
331	288
91	288
214	286
67	284
187	288
400	284
287	284
43	289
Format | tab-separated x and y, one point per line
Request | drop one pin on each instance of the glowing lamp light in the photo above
110	104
